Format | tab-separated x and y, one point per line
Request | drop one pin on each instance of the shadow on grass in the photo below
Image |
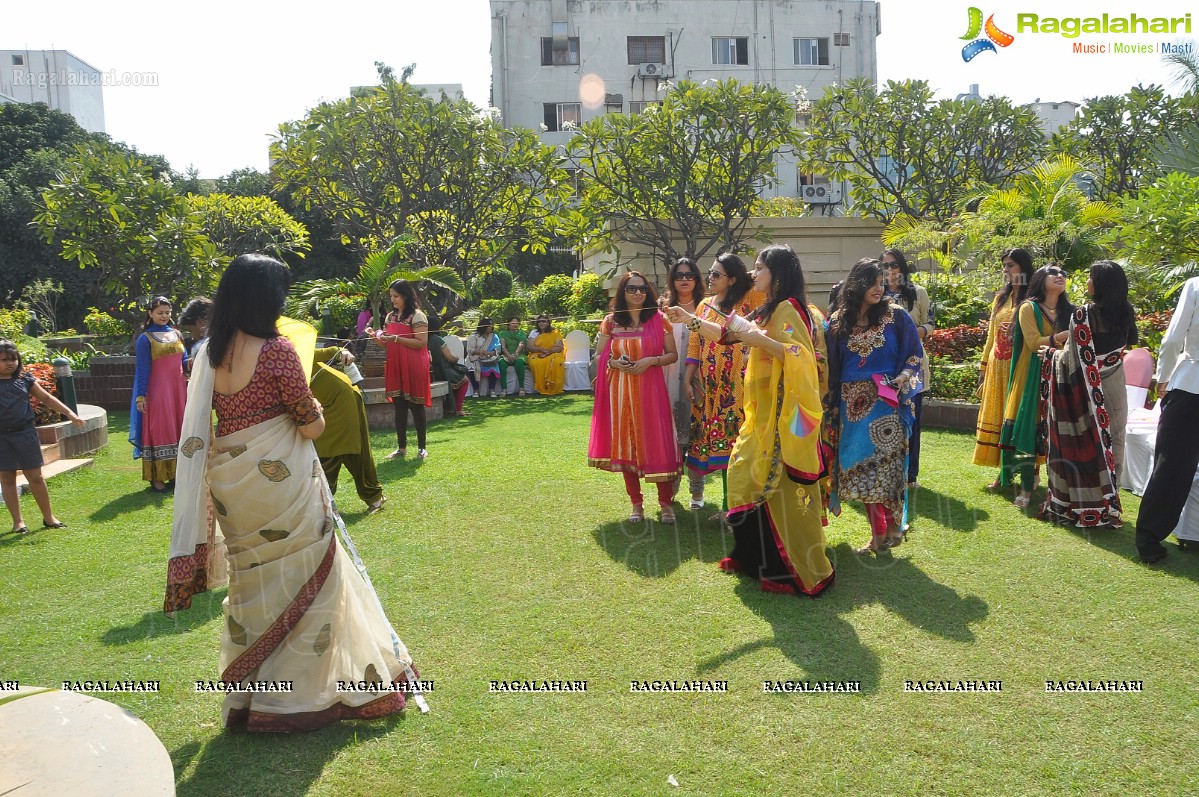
261	764
205	607
813	634
125	504
1120	542
947	510
655	550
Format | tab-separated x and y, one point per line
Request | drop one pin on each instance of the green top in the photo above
511	340
343	409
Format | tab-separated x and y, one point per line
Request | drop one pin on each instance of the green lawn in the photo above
503	556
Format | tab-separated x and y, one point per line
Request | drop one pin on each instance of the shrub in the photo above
1152	327
590	327
588	296
500	310
343	311
97	322
12	323
551	296
951	380
44	374
959	344
960	299
493	282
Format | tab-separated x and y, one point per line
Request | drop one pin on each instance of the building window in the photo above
640	106
647	49
730	50
563	56
811	52
561	115
613	107
18	60
840	39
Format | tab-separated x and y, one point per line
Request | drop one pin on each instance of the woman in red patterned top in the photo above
297	611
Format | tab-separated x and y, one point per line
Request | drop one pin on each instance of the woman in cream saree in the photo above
305	641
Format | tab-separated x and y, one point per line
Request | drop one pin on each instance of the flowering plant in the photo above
44	374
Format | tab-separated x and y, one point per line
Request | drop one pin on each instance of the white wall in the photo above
56	77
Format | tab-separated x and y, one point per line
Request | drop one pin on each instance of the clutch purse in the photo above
886	391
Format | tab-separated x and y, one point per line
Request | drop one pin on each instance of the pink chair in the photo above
1138	374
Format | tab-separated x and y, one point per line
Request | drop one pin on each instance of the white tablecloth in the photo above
1140	438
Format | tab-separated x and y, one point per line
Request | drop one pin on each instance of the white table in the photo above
1140	439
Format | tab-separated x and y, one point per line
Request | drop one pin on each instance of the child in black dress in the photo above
20	449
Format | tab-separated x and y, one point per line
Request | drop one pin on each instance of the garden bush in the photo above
12	323
960	344
493	282
1152	327
951	380
589	297
500	310
343	311
960	299
100	323
552	295
44	374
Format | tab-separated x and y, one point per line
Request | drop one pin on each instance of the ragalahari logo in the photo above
981	45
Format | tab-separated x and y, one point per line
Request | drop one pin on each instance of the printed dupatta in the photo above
1083	488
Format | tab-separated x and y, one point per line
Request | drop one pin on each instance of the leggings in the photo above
459	397
400	407
632	486
880	519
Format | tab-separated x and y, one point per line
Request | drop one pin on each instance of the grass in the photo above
504	557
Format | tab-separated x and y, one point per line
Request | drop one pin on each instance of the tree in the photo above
1117	137
1161	227
393	162
242	224
1045	211
905	153
682	177
135	232
1179	151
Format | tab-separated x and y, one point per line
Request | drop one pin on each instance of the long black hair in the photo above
697	292
906	290
155	303
620	306
1110	285
786	279
1023	259
740	283
864	275
250	299
1036	293
411	301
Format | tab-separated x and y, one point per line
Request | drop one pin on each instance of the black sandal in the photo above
58	524
21	530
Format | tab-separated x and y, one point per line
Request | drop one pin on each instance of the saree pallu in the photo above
1082	466
631	426
779	462
297	611
1022	439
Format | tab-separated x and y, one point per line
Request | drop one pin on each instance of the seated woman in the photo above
1086	420
445	367
483	358
297	609
546	358
513	341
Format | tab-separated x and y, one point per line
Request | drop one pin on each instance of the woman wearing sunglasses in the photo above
631	432
1042	320
719	370
684	289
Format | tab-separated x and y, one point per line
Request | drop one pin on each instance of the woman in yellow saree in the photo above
779	463
546	358
304	640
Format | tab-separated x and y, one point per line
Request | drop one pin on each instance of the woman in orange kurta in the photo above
631	428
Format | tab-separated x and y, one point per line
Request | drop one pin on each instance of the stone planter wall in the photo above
938	414
74	441
107	383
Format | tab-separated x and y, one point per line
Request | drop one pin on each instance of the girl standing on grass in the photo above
406	340
20	449
159	394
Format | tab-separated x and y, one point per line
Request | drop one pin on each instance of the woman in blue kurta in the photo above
872	341
159	394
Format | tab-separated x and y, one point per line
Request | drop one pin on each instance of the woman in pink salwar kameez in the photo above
632	431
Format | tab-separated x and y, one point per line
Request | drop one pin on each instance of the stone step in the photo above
50	453
51	470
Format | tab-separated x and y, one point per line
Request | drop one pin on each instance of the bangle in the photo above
693	323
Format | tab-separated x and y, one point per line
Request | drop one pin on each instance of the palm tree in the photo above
1180	151
440	286
1045	211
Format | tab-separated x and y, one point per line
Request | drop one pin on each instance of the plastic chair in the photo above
1138	368
578	359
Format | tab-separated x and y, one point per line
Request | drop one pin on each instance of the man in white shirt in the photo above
1176	454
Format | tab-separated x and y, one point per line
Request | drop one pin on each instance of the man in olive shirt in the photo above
346	439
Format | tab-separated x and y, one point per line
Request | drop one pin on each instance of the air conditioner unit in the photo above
653	70
820	193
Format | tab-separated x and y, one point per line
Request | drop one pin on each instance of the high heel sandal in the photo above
1022	501
637	515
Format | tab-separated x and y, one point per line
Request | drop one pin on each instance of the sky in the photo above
228	73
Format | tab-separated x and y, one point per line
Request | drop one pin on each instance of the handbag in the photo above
886	391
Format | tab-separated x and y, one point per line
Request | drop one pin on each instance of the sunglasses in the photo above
1055	272
713	275
636	289
686	275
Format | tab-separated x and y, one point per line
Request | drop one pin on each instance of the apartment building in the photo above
58	78
560	63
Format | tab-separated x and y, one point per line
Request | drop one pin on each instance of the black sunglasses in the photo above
636	289
685	275
1055	272
716	274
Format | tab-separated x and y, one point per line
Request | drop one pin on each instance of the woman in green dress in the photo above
513	342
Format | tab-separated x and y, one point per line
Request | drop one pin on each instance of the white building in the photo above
562	62
56	77
1053	116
